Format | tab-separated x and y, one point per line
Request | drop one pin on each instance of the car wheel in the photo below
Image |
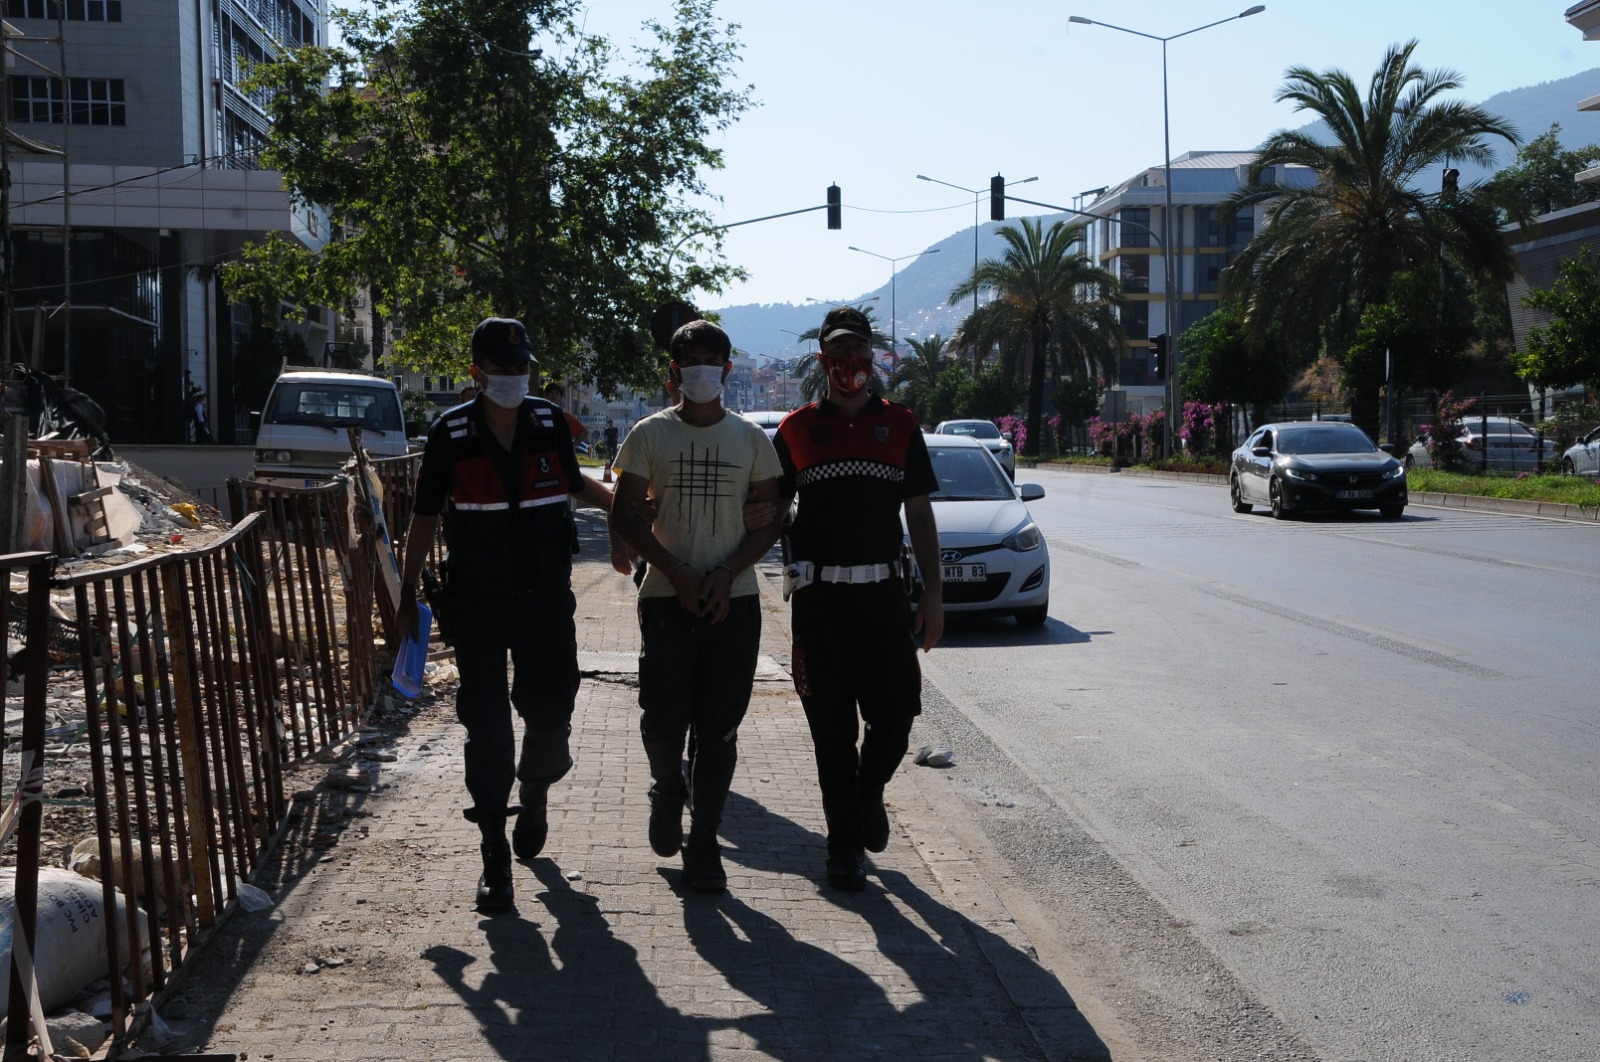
1237	496
1033	617
1566	467
1409	461
1391	512
1280	511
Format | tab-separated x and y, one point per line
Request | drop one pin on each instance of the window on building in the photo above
1136	319
1136	233
1208	270
98	101
77	10
1208	228
1134	269
95	101
1191	312
1244	229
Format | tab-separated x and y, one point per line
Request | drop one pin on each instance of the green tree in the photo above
1424	328
1054	309
1324	252
913	381
1566	351
1219	365
1541	181
466	174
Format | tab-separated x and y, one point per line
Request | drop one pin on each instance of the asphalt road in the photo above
1324	788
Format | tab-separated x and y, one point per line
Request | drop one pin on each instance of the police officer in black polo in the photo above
855	461
498	470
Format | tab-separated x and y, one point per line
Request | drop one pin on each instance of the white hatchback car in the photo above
994	555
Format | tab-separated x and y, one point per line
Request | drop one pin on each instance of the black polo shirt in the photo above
852	474
506	518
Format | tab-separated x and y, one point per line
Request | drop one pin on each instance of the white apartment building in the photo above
156	183
1127	239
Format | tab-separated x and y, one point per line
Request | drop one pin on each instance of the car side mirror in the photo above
1262	451
1008	436
1387	448
1031	491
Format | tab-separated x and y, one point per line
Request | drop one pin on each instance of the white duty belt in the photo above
800	574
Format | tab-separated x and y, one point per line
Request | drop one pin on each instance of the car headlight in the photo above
1299	473
1023	539
1397	472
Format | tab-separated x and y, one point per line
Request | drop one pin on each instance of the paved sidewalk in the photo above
375	950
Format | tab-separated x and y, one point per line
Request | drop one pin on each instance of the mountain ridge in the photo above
922	287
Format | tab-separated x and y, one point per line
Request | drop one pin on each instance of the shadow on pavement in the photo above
955	989
575	992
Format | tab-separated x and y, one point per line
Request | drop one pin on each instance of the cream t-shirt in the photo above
699	478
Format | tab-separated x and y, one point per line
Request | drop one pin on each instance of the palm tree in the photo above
914	380
1327	252
808	367
1054	306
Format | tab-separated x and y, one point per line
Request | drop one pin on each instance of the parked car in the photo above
985	432
1583	457
994	555
1306	465
1511	446
767	419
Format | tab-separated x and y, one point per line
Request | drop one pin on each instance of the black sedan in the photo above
1306	465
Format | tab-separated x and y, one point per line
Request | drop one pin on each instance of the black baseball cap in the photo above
502	342
845	321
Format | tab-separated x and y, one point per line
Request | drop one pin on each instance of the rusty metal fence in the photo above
205	674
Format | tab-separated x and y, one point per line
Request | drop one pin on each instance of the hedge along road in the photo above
1318	788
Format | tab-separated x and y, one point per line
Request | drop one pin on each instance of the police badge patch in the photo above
544	464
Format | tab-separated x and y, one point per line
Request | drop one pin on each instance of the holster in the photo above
797	575
438	599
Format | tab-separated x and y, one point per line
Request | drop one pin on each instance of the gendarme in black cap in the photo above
503	343
845	321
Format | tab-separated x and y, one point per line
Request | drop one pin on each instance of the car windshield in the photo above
1332	439
967	474
978	429
334	405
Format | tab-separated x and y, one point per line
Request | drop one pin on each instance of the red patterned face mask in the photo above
846	376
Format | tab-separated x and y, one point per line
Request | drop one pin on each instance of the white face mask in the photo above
700	383
506	392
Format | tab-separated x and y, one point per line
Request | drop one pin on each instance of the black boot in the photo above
533	824
495	892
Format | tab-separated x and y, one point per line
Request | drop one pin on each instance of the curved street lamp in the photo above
977	198
1171	279
894	263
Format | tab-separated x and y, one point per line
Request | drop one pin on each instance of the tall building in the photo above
1543	246
1203	244
133	149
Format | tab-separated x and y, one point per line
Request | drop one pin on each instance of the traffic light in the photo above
1448	188
835	221
1158	348
997	198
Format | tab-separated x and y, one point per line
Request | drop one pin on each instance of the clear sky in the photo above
870	93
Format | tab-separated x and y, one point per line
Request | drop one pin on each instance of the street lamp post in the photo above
894	334
977	198
1170	281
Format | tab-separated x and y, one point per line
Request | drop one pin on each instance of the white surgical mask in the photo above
506	392
700	383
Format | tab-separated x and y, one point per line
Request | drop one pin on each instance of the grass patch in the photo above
1570	490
